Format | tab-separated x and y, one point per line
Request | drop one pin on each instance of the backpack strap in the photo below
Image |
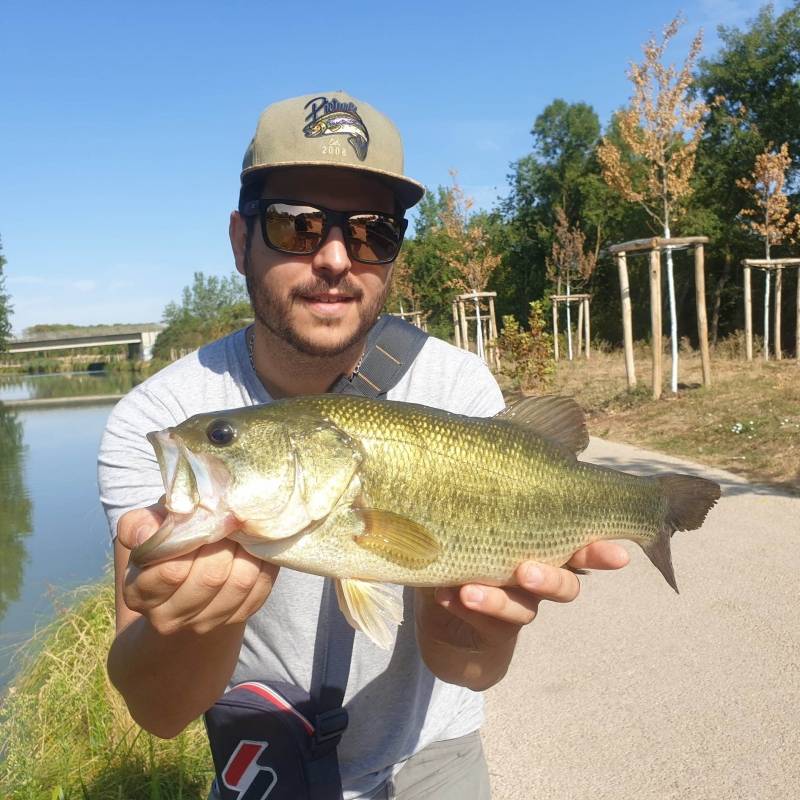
392	346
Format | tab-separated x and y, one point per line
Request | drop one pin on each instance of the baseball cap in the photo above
331	129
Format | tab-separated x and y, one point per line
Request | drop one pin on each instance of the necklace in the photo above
251	342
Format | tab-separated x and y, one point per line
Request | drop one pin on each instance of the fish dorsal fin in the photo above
370	608
553	417
397	539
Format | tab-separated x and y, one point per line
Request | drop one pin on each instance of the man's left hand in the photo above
483	621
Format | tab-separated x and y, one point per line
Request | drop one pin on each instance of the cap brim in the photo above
408	191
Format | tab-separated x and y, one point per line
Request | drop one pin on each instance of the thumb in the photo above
140	524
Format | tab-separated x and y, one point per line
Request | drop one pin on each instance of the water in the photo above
53	533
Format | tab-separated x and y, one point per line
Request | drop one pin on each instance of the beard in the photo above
274	313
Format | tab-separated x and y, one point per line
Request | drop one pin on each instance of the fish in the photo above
371	492
341	122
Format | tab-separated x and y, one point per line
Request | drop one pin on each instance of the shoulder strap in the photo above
392	346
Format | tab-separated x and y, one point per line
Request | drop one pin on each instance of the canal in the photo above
53	533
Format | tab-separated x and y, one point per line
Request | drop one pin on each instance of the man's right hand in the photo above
180	623
217	584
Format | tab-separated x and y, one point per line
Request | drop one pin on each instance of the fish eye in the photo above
220	432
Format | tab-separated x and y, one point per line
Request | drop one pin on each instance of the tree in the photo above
770	218
469	254
662	129
569	263
210	307
5	305
754	75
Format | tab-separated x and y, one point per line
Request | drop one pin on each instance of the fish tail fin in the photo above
359	145
689	499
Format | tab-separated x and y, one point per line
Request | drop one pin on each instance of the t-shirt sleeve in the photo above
128	475
478	390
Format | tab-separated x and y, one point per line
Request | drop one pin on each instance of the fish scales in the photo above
491	494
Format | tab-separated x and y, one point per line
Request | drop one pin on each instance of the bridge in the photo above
139	338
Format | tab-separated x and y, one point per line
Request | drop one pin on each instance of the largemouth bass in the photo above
369	492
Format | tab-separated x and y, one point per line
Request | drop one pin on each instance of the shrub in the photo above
527	356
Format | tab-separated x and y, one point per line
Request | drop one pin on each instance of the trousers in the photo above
451	770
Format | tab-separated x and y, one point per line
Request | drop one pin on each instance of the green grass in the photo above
65	733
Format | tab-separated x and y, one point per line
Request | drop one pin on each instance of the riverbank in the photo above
65	733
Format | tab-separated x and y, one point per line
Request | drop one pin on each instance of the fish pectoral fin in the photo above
370	608
559	419
397	539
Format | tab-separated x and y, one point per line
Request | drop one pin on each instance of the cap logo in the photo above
330	117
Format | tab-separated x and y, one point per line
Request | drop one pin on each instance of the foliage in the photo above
569	263
770	217
65	731
527	356
211	307
5	305
662	129
469	253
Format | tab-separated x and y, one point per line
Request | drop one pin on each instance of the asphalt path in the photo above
633	691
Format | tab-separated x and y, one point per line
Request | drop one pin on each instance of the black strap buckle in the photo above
330	725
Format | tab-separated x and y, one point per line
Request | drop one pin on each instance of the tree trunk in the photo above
673	319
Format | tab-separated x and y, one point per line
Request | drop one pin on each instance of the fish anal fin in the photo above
559	419
396	538
370	608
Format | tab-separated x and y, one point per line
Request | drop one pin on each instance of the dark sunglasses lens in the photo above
293	229
374	237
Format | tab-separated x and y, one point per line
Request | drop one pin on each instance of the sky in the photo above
123	125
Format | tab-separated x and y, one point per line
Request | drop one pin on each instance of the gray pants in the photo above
451	770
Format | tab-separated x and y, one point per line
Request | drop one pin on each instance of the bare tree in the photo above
661	129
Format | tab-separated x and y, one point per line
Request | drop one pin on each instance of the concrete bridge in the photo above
139	338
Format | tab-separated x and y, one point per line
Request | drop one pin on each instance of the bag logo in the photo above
246	774
330	117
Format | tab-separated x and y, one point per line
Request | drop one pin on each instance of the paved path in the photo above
635	692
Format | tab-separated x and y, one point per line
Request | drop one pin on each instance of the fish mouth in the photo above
195	487
191	481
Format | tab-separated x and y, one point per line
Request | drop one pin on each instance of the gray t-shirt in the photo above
395	704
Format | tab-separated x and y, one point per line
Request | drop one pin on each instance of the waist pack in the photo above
267	742
272	740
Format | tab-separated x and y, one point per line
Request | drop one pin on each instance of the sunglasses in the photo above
371	237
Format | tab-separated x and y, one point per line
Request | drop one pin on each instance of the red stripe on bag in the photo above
271	696
240	761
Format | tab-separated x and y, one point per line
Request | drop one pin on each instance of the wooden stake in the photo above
748	315
462	315
579	343
655	319
555	329
588	328
797	323
778	298
627	324
702	321
456	325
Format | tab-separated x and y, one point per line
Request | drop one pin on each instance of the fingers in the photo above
600	555
217	584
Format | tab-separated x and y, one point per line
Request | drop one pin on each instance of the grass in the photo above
747	421
65	733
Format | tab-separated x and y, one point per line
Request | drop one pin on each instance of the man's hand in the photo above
217	584
467	634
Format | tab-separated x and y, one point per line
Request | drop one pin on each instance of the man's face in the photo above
320	304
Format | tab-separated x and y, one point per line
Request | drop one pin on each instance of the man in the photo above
318	226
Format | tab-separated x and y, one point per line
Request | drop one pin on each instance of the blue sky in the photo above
123	124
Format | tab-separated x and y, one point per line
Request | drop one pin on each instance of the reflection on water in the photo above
67	384
53	533
15	509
